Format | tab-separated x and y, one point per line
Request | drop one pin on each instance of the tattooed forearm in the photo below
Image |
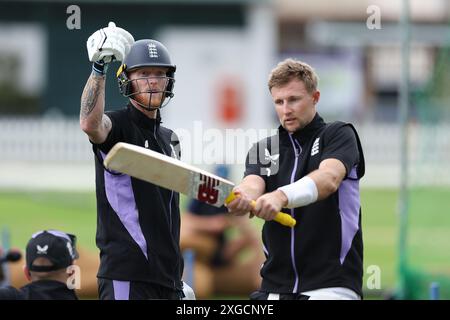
93	120
91	93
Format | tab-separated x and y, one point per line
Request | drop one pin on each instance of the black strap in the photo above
44	268
361	168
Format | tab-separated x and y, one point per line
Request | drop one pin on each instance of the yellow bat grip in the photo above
281	217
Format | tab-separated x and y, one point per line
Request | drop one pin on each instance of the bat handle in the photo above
281	217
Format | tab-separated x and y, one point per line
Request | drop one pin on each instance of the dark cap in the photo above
56	246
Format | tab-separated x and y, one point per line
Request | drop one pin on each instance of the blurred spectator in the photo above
48	256
227	249
88	263
12	255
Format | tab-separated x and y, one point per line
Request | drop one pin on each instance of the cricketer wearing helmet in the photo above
147	75
138	223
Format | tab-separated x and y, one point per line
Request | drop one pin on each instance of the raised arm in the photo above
93	121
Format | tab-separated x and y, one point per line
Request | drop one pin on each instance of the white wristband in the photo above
300	193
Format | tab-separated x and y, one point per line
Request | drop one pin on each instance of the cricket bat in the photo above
173	174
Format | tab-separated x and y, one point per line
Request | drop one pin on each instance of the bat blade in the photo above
169	173
173	174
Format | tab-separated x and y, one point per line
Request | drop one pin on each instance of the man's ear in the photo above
70	270
27	273
316	96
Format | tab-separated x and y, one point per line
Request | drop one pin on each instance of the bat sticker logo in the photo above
206	191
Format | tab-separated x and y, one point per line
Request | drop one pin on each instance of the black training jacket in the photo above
325	248
138	223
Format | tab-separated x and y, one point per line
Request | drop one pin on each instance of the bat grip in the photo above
281	217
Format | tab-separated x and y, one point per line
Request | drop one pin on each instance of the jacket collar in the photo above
142	120
305	133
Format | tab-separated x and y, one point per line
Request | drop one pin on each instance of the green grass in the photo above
25	213
429	232
379	225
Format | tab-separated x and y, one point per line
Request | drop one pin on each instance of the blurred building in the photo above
46	61
361	66
223	50
44	65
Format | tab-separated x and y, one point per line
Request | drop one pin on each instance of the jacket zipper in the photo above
297	155
171	191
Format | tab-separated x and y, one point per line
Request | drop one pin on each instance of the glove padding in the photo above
109	44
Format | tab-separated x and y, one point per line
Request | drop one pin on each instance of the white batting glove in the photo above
109	44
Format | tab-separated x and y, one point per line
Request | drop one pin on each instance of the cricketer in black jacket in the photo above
325	248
